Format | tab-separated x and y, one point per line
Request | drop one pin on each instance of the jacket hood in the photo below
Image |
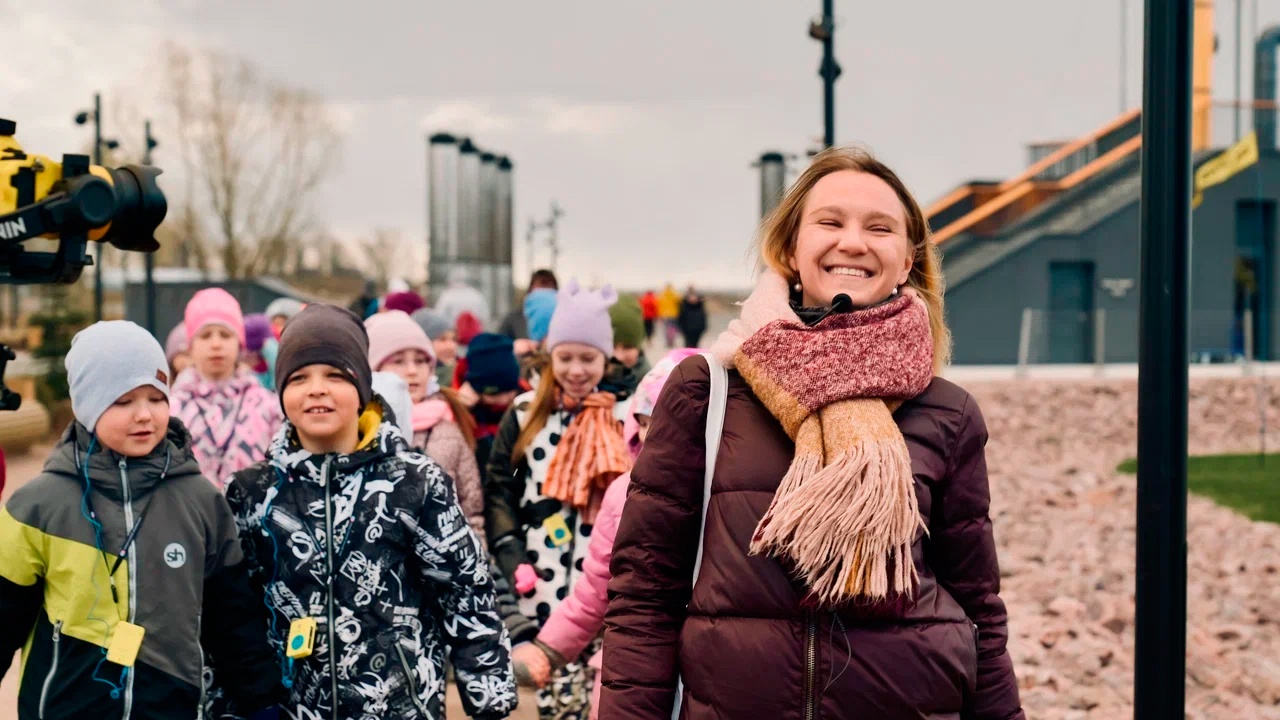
79	449
380	437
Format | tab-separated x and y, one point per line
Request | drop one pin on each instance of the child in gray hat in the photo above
120	561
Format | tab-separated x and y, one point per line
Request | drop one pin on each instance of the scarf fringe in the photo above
865	494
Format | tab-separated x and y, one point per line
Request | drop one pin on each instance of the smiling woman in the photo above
849	567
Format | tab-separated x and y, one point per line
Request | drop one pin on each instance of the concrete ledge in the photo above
1115	371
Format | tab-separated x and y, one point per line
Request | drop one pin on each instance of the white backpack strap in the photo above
716	403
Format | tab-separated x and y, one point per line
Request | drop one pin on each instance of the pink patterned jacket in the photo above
579	619
231	422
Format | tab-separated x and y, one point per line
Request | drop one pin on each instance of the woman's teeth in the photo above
851	272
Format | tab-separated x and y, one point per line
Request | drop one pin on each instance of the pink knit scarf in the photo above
429	413
845	515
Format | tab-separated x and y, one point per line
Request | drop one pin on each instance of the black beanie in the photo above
325	335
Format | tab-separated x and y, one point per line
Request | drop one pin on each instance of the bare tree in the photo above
254	152
382	254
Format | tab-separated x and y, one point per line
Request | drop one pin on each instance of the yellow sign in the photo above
1225	166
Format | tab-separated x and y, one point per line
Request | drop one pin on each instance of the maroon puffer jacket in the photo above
745	646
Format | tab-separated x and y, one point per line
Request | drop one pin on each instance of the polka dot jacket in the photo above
525	526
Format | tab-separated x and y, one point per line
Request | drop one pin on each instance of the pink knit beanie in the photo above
214	305
393	331
582	316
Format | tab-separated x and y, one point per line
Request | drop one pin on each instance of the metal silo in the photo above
488	228
442	205
773	180
465	260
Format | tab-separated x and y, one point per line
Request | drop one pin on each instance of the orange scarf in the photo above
591	454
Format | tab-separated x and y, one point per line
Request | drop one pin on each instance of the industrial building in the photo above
1043	267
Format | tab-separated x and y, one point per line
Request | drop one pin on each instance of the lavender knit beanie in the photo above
582	316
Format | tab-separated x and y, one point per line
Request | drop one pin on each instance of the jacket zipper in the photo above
408	674
133	579
811	668
200	649
328	534
53	667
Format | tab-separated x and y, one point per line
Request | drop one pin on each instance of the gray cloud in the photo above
640	119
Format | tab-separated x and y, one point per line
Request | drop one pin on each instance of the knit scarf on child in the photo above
845	515
590	455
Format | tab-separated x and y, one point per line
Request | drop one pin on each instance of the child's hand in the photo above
532	666
526	578
467	395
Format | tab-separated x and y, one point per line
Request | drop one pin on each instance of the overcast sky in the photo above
640	119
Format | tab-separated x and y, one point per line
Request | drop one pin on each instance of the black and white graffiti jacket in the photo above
374	547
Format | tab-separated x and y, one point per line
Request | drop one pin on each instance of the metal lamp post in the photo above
81	119
1165	216
824	30
150	258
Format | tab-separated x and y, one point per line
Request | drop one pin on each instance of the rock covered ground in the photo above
1065	522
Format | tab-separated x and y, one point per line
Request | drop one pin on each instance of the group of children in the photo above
323	532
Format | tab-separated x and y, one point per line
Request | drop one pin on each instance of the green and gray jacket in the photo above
183	579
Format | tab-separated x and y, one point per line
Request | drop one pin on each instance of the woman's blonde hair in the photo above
778	235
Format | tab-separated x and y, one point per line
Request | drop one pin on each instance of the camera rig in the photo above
74	203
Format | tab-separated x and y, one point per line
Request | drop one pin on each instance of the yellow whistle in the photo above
302	637
557	530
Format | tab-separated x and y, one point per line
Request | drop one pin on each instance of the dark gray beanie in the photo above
325	335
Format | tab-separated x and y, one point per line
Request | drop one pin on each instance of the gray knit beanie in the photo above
433	322
107	360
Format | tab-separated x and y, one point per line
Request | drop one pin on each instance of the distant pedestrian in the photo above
442	427
406	301
556	451
668	313
280	311
628	364
230	415
579	619
849	567
514	324
444	342
367	304
649	312
693	318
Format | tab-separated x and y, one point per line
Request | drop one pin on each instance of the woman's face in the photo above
852	240
415	368
577	368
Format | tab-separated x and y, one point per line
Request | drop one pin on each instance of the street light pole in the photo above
824	31
1165	217
150	259
554	238
97	160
